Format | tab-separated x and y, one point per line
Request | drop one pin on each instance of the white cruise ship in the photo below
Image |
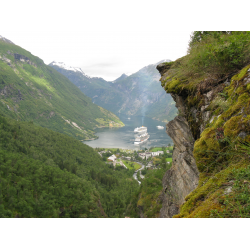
141	129
141	138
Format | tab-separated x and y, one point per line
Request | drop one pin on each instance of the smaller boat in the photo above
160	127
129	118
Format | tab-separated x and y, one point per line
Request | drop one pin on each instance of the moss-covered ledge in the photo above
219	117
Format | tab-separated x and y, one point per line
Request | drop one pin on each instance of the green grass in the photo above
128	164
160	149
136	165
169	159
113	150
156	149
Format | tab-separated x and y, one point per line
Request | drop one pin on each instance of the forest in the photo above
47	174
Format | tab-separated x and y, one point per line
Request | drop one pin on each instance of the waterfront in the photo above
124	137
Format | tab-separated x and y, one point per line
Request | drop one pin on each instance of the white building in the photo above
142	155
148	154
155	154
112	158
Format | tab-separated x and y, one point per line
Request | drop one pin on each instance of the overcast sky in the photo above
104	53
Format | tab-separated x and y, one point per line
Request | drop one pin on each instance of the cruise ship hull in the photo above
142	140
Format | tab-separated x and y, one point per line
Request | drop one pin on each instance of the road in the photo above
135	173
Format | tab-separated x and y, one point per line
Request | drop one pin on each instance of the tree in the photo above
163	163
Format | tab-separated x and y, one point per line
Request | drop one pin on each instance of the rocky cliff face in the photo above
183	176
211	136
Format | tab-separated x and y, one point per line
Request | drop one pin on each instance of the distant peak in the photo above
5	40
123	76
66	67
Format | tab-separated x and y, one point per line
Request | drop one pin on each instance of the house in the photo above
127	158
112	158
160	152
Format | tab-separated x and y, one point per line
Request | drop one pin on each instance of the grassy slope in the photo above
39	93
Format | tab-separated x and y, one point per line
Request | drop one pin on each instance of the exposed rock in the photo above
242	134
162	68
24	59
183	176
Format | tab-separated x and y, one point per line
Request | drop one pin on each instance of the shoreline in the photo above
92	139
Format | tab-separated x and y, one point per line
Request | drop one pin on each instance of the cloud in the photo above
102	65
107	70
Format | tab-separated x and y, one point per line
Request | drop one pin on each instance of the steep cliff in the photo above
210	175
183	176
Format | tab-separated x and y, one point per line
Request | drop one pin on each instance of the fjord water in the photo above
124	137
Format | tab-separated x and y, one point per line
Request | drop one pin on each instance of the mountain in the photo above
123	76
137	94
32	91
5	40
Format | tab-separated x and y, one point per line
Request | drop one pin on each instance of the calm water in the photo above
124	137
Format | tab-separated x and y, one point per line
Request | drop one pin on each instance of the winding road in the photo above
135	173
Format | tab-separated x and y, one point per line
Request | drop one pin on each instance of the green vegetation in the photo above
33	91
105	94
216	64
47	174
213	56
155	149
169	159
131	165
148	198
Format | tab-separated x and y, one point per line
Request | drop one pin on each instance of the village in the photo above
138	161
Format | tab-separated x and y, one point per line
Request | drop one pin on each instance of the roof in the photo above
112	157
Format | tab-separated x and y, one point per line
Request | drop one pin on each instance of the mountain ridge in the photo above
136	94
32	91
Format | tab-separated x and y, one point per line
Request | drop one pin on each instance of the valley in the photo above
46	168
139	94
68	146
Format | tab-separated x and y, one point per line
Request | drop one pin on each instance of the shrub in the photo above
216	53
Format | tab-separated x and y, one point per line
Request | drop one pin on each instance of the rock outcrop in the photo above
213	123
183	176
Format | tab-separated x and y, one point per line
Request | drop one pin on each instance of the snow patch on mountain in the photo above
5	40
66	67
